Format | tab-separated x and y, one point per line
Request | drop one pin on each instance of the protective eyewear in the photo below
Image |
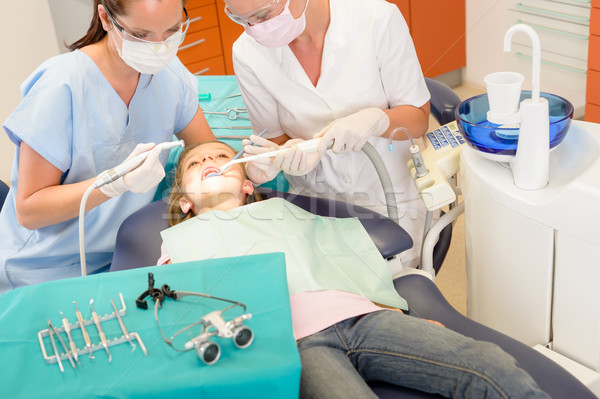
185	23
262	14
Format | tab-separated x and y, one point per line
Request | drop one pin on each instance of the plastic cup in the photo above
504	92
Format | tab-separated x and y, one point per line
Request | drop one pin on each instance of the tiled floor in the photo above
452	276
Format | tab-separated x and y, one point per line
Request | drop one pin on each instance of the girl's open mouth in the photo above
209	170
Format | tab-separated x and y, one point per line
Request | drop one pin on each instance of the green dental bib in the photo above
321	253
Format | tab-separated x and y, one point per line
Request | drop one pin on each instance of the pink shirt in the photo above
314	311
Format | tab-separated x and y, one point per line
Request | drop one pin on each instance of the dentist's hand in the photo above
353	131
296	162
261	170
143	178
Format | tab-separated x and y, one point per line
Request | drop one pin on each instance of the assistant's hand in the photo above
141	179
261	170
353	131
296	162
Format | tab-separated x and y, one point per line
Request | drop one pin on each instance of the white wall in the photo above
27	38
486	26
30	32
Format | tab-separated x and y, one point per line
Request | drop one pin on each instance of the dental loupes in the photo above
123	328
100	331
67	328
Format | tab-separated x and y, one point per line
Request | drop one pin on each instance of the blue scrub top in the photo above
72	116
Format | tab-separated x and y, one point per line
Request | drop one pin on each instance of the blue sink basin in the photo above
490	138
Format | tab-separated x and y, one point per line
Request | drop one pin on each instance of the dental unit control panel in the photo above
441	154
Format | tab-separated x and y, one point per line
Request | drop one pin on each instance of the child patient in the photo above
344	338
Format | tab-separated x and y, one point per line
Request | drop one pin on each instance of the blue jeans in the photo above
407	351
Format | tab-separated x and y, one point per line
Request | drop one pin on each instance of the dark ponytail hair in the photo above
96	32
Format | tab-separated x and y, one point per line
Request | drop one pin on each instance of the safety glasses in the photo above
262	14
183	27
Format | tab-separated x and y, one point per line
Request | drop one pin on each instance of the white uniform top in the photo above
368	60
73	117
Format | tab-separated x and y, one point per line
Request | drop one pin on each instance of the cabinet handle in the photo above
541	11
554	64
553	30
202	71
195	19
187	46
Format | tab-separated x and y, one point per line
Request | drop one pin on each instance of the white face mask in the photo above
147	57
280	30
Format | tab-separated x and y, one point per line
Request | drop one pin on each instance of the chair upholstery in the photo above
3	192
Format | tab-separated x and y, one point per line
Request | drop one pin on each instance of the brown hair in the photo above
176	215
96	32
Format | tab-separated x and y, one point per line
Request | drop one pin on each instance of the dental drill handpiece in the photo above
67	327
86	336
123	328
122	169
100	331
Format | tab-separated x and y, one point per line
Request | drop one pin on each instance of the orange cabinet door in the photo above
438	31
230	31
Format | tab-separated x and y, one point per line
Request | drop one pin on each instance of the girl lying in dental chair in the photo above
346	315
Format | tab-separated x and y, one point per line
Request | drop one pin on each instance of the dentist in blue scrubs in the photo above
120	91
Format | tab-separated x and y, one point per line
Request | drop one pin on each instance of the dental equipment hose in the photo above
109	176
386	181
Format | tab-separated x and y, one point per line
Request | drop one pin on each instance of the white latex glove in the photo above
261	170
141	179
353	131
296	162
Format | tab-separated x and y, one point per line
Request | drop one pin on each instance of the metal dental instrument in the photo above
67	327
50	332
231	113
307	146
123	328
86	336
100	331
62	343
239	154
233	95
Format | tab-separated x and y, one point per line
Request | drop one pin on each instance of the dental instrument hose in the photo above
386	181
108	176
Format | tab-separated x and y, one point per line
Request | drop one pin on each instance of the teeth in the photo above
209	170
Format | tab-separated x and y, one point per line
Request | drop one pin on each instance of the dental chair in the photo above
138	245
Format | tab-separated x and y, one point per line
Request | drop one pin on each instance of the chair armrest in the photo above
443	101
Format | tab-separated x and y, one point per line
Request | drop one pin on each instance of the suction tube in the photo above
386	181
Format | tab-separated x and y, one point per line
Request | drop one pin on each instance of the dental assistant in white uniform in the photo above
84	112
346	70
